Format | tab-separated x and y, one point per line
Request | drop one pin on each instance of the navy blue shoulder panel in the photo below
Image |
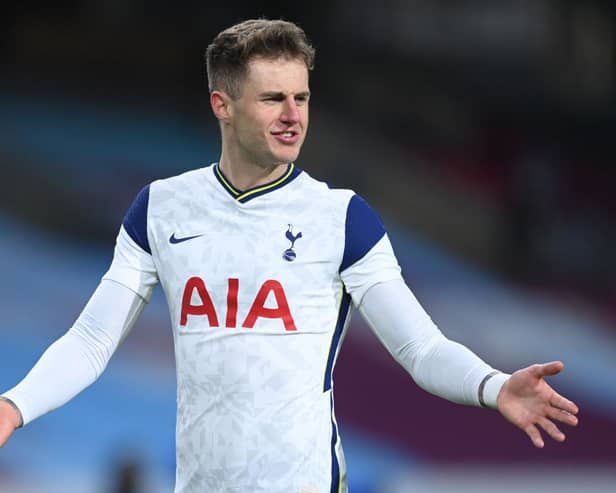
363	230
136	219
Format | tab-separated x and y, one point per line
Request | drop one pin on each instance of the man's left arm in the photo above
372	276
452	371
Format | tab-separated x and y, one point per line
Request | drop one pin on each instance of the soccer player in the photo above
261	264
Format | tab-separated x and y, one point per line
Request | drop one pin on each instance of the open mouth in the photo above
287	136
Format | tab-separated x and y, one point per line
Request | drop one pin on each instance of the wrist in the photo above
490	387
19	421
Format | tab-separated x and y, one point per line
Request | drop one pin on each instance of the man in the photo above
260	264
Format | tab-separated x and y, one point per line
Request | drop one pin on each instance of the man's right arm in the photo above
78	358
75	360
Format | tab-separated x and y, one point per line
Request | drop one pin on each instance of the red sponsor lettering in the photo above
258	308
234	286
205	308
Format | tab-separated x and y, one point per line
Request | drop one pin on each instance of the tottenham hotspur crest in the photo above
289	254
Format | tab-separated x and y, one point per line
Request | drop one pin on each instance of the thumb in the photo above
548	369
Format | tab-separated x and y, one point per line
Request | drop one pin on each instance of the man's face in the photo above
269	120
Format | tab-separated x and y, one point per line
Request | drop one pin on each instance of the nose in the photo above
290	110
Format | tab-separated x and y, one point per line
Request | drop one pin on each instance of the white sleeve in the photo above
377	266
437	364
132	266
368	257
78	358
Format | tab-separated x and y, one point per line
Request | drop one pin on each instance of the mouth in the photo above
288	137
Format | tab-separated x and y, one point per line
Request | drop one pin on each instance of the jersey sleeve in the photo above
368	257
78	357
437	364
133	265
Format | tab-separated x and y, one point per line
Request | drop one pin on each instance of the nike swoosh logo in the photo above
174	241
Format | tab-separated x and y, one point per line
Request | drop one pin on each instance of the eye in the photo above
271	100
302	99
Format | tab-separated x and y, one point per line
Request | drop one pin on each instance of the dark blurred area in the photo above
126	474
504	113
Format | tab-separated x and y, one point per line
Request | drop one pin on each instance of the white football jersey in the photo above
259	284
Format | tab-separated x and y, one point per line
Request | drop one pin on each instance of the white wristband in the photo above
490	387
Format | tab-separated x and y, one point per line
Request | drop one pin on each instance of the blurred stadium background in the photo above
482	131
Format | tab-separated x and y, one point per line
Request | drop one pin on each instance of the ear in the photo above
220	103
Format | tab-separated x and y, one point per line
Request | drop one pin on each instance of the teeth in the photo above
287	134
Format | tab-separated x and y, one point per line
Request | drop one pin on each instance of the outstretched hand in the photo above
527	401
10	420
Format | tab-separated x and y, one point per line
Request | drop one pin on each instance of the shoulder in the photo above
182	182
359	224
185	181
322	193
355	211
160	195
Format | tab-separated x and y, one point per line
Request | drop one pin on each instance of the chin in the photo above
281	154
286	157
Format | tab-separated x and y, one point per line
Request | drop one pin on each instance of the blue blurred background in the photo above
481	131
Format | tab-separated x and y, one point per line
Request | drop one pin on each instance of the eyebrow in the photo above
282	95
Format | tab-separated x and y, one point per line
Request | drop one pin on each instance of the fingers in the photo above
562	416
558	401
552	430
535	436
549	427
548	369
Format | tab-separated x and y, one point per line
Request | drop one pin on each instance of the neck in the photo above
244	176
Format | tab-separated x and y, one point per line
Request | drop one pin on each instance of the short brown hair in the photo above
229	54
